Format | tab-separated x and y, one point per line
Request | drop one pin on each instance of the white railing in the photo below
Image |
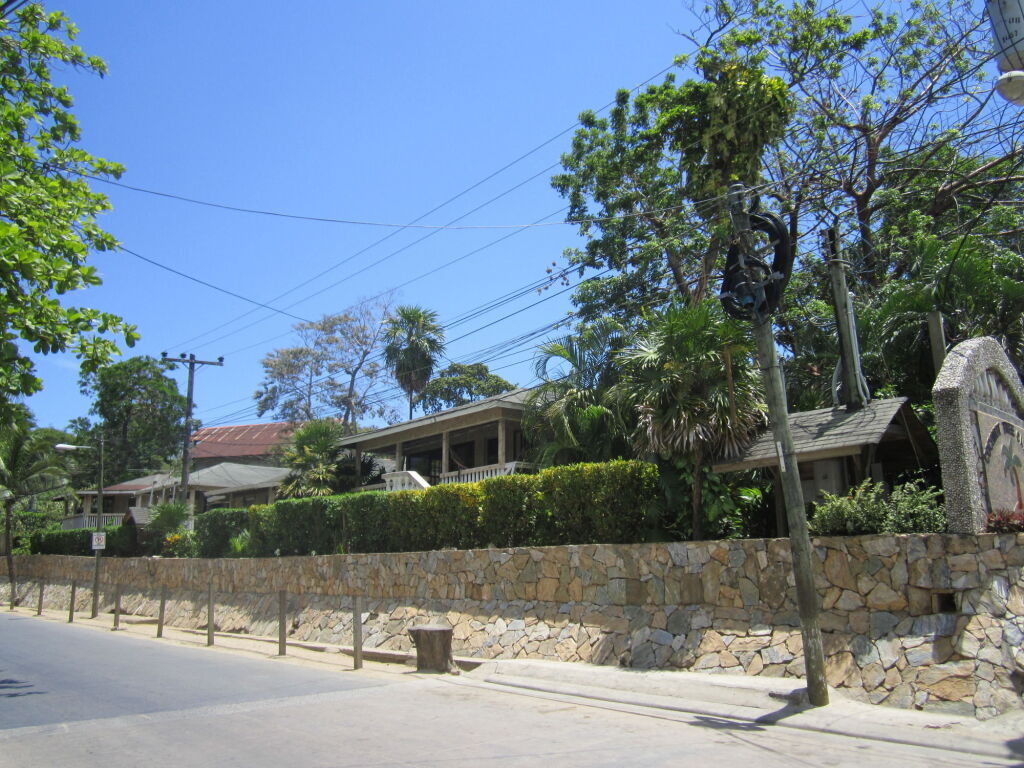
374	487
475	474
88	521
405	481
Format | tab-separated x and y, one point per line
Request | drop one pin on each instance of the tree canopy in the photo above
459	384
48	225
335	370
141	414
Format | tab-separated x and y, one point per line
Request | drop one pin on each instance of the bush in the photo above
180	543
122	541
365	522
216	527
1005	521
59	542
304	526
508	510
448	516
614	502
911	508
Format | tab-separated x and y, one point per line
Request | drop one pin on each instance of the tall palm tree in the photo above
691	385
414	342
566	415
28	464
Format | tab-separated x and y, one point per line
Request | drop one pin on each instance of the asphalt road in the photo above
78	696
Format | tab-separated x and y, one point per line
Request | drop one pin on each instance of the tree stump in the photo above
433	648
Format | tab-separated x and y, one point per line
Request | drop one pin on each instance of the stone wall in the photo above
927	621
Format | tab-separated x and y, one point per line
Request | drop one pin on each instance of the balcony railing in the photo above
89	521
475	474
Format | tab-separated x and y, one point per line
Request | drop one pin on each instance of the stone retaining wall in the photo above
927	621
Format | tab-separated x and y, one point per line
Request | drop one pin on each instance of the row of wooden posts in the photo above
282	617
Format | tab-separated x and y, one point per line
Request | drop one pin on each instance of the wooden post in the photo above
357	633
937	338
502	445
71	607
117	607
210	618
162	614
799	538
446	452
39	605
282	626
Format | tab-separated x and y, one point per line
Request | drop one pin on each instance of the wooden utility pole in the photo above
186	450
778	414
854	389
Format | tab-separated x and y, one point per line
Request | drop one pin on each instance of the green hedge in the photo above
615	502
215	528
122	541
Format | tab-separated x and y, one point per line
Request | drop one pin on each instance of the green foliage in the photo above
142	416
240	545
448	516
319	466
47	211
167	517
414	341
565	416
215	529
304	526
910	508
76	542
459	384
180	543
615	502
509	505
365	518
122	541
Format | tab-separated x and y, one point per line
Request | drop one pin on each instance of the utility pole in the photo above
855	390
186	450
799	538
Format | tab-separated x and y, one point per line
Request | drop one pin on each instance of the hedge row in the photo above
613	502
122	541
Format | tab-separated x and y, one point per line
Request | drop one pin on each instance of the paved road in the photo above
77	696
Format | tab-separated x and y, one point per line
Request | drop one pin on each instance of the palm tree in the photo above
691	386
566	415
28	464
414	341
320	467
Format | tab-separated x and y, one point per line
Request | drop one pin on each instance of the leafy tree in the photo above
320	467
334	370
566	415
459	384
141	413
415	340
47	210
647	184
691	389
28	465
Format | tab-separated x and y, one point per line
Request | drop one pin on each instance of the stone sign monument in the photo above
979	412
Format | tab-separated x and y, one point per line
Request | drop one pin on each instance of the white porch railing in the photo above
475	474
88	521
405	481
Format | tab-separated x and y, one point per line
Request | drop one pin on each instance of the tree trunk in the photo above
9	545
697	494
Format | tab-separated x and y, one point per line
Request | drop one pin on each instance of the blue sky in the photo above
372	112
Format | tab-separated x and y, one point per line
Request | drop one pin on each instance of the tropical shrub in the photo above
180	543
1006	521
910	508
216	527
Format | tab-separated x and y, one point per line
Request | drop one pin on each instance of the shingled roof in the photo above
243	440
833	432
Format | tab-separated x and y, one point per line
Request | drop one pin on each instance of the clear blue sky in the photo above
362	111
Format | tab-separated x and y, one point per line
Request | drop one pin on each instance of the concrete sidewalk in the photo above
765	701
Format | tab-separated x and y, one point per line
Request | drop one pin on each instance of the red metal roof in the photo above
243	440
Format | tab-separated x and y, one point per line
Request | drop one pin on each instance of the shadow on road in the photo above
10	689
